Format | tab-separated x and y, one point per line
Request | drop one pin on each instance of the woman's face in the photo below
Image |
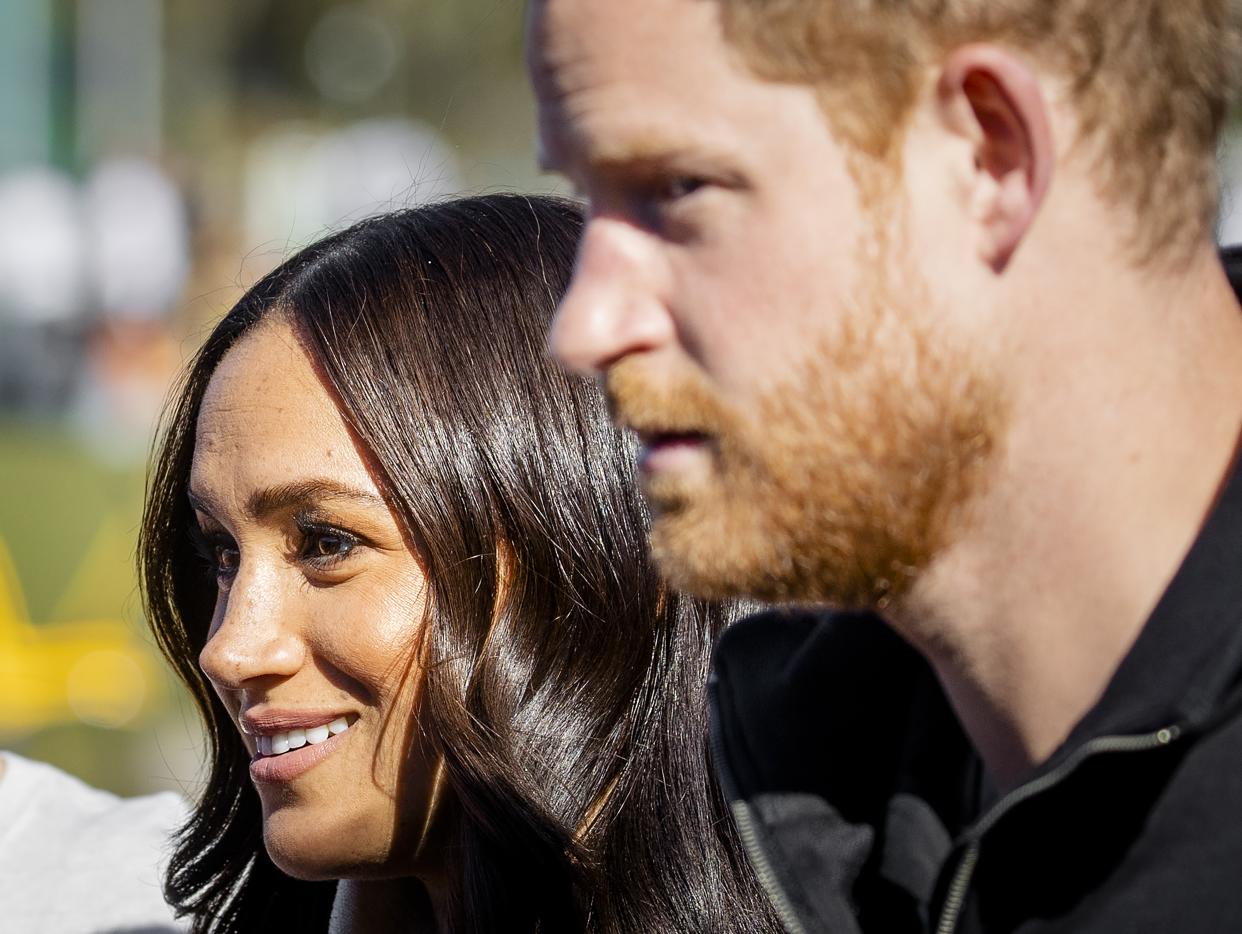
318	605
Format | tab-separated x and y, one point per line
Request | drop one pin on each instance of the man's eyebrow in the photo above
293	495
647	152
644	147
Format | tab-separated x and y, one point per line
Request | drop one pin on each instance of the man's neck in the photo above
1117	448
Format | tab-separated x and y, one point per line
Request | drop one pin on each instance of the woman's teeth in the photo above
279	743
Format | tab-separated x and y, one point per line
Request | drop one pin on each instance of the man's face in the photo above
809	419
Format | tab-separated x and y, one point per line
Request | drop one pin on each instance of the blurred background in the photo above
156	157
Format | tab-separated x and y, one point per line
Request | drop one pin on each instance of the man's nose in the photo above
251	636
613	307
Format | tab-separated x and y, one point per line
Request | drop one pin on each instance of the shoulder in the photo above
70	853
65	800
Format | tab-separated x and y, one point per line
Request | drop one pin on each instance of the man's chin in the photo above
716	548
703	551
668	497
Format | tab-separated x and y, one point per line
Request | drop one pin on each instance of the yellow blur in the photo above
88	671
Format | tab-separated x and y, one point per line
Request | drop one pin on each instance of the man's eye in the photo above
656	201
680	186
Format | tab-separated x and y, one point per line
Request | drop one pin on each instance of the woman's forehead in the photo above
267	420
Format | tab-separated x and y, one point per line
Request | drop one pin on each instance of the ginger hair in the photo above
1151	81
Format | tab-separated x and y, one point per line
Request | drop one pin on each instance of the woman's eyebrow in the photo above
302	493
201	502
289	496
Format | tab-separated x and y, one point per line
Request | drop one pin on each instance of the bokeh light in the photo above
156	157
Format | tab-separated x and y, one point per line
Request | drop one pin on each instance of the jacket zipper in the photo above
744	820
785	913
955	898
957	890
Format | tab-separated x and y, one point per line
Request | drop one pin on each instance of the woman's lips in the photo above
286	766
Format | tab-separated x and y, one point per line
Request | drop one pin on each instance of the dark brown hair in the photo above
575	745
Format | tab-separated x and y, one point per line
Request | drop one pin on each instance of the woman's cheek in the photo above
371	631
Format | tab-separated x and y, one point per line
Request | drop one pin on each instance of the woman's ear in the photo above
994	99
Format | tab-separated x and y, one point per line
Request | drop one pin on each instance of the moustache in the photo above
672	404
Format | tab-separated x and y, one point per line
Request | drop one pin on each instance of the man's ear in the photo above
991	97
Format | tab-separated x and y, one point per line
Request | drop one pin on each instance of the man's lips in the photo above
662	450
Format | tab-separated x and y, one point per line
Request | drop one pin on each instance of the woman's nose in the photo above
252	635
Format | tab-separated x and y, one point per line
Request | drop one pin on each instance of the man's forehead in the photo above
571	41
618	80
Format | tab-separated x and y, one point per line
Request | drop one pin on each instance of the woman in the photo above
432	647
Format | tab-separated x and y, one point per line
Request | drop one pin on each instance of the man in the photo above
916	312
77	860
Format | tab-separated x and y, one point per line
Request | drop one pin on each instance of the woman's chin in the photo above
322	853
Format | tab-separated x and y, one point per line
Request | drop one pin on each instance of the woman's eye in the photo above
219	553
331	546
324	549
227	559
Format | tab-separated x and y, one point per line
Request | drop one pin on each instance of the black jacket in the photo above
865	808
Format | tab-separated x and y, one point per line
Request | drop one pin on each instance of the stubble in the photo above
846	480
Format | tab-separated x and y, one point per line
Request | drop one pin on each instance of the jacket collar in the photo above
794	688
1187	657
833	707
844	766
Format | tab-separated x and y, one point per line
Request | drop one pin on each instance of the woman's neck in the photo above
381	906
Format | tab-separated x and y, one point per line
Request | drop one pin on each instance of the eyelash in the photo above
210	546
213	546
662	193
317	533
654	192
664	203
678	187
